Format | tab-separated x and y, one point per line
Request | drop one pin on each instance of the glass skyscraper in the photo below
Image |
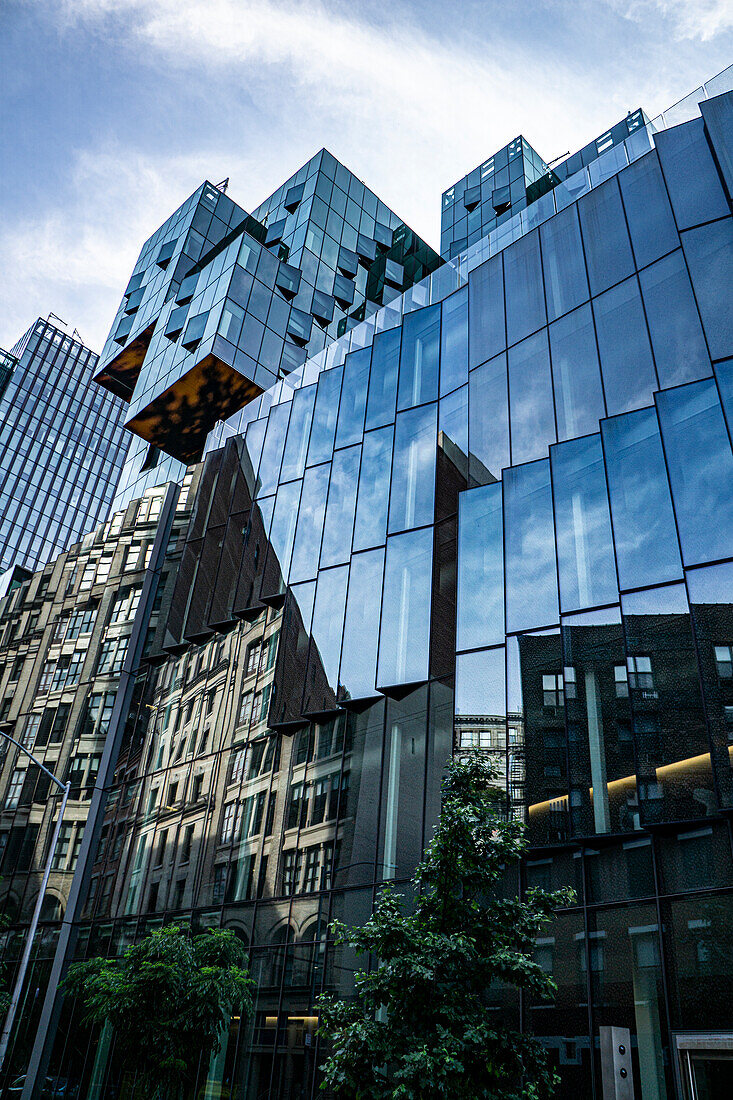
61	447
495	513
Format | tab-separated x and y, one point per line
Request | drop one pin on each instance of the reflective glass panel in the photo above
488	433
383	378
405	626
651	223
328	621
320	448
419	357
576	374
626	359
353	397
530	398
454	342
282	531
307	545
453	418
272	449
674	323
339	522
709	253
480	568
529	547
525	299
361	628
487	331
692	179
607	247
413	470
566	282
373	497
296	446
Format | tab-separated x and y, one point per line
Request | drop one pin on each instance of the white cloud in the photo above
691	19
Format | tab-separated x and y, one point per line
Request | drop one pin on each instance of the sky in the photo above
113	111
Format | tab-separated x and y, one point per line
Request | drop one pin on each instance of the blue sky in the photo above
113	111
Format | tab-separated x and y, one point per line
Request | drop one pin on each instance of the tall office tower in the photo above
497	512
221	304
61	448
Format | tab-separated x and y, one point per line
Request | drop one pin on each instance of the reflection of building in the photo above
61	447
352	595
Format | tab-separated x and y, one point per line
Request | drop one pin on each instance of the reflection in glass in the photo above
454	342
606	239
626	359
700	465
453	418
328	620
361	627
525	300
566	283
373	497
383	378
488	436
353	397
272	449
405	628
296	446
709	253
583	523
413	478
679	346
576	374
487	332
724	378
339	522
303	565
530	398
419	357
480	719
282	531
529	547
480	568
651	223
324	417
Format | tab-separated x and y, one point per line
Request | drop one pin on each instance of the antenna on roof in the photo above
556	159
57	318
222	186
77	334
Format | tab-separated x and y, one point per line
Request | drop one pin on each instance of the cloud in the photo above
691	19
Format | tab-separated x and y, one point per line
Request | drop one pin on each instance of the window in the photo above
125	605
291	871
187	843
160	850
16	669
245	711
149	509
99	712
253	657
228	823
81	622
104	565
236	765
552	690
172	794
298	805
219	883
57	727
724	661
44	682
327	869
179	892
331	737
112	656
310	876
87	577
260	705
621	677
132	557
640	673
12	797
61	854
571	684
32	723
197	788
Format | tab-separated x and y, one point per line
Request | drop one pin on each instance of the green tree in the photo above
168	1001
420	1026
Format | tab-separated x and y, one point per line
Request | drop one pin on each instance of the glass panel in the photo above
480	568
576	374
724	377
530	398
453	418
674	323
488	436
566	282
626	359
583	524
299	428
699	961
361	628
480	717
606	239
405	627
339	521
282	531
525	299
454	342
709	253
353	397
324	418
700	466
272	450
412	499
328	621
419	357
529	547
651	223
373	499
487	332
383	378
304	563
694	186
647	551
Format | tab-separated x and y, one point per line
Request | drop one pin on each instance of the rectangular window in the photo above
12	796
724	661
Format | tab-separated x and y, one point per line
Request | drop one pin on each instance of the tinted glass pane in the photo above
530	398
709	252
647	551
692	179
404	633
525	299
310	524
413	470
480	693
296	446
454	342
320	448
700	465
566	283
361	628
272	449
724	375
606	239
339	520
529	547
353	397
282	531
488	436
576	374
480	568
487	332
651	223
373	499
674	323
583	525
328	622
626	360
419	357
383	378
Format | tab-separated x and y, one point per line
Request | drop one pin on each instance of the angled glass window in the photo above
134	300
529	548
343	291
373	498
700	464
275	231
651	222
383	378
709	253
576	374
480	694
454	342
350	425
230	324
296	446
525	296
123	329
480	568
488	435
453	420
293	197
328	621
358	672
187	289
487	331
299	326
366	249
679	346
647	551
195	330
566	282
287	280
176	321
348	262
339	522
530	398
692	179
412	500
324	417
394	274
628	373
165	253
322	307
583	525
607	246
419	357
272	449
307	545
282	529
405	624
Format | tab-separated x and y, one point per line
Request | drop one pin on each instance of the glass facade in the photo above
494	515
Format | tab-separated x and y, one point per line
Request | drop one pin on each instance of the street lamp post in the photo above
20	980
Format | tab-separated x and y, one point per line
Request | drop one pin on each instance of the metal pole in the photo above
20	980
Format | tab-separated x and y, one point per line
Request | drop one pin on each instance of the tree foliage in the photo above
420	1026
168	1000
